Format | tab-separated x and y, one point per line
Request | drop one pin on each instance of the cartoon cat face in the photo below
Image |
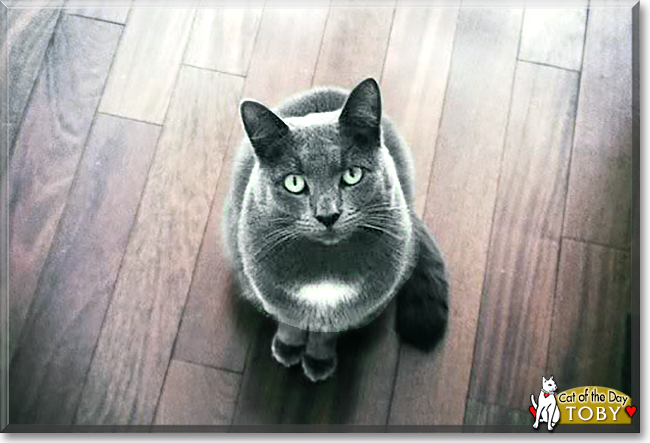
324	175
549	385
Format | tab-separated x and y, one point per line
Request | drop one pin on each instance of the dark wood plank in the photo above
354	44
61	330
554	36
588	334
479	415
49	146
127	372
432	388
5	356
216	328
196	395
30	32
147	63
223	39
517	301
115	14
414	82
599	199
360	391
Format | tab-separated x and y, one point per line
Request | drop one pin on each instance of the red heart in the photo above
532	411
545	395
630	410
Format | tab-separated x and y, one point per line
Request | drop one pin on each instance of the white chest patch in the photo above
326	293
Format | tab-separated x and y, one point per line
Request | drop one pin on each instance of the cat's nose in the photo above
329	219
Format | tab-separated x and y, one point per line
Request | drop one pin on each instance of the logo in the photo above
582	405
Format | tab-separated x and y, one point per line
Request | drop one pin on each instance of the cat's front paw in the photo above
286	355
317	369
535	425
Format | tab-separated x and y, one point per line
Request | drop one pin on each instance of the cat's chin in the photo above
330	238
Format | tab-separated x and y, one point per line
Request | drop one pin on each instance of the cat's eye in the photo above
352	176
294	183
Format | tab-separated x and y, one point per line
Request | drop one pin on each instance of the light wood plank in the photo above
354	45
49	146
147	62
588	333
283	62
29	34
222	39
600	184
5	356
517	301
217	328
554	36
135	344
196	395
61	330
414	82
432	388
111	14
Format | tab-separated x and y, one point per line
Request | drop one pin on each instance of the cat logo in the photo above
583	405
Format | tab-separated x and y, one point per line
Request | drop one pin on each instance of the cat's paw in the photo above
286	355
317	369
535	425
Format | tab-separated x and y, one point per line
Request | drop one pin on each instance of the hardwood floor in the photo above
123	126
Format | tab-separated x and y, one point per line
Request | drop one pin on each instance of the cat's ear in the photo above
264	129
361	114
551	378
543	379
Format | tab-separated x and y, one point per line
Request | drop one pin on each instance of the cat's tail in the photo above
532	400
422	302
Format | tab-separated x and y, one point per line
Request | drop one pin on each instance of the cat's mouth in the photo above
330	237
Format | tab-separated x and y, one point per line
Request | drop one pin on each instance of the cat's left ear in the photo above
361	114
265	130
551	378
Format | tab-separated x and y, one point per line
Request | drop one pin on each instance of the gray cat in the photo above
320	228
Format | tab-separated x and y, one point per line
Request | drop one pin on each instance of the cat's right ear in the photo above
543	379
264	129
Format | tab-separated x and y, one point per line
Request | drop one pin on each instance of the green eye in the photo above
294	183
352	176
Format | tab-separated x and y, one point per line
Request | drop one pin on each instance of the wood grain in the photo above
480	414
222	39
414	82
599	200
217	328
49	146
283	62
354	45
554	36
135	344
110	14
196	395
147	62
432	388
519	287
588	334
29	34
5	356
61	330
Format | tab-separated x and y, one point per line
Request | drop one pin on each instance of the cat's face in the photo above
549	384
325	175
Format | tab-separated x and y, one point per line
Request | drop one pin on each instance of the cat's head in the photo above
549	384
323	175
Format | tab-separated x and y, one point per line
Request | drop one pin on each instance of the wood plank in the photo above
347	54
135	344
432	388
5	356
480	414
196	395
222	39
599	200
61	330
49	146
588	333
29	34
519	287
283	62
554	36
217	328
147	62
414	82
360	391
110	14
